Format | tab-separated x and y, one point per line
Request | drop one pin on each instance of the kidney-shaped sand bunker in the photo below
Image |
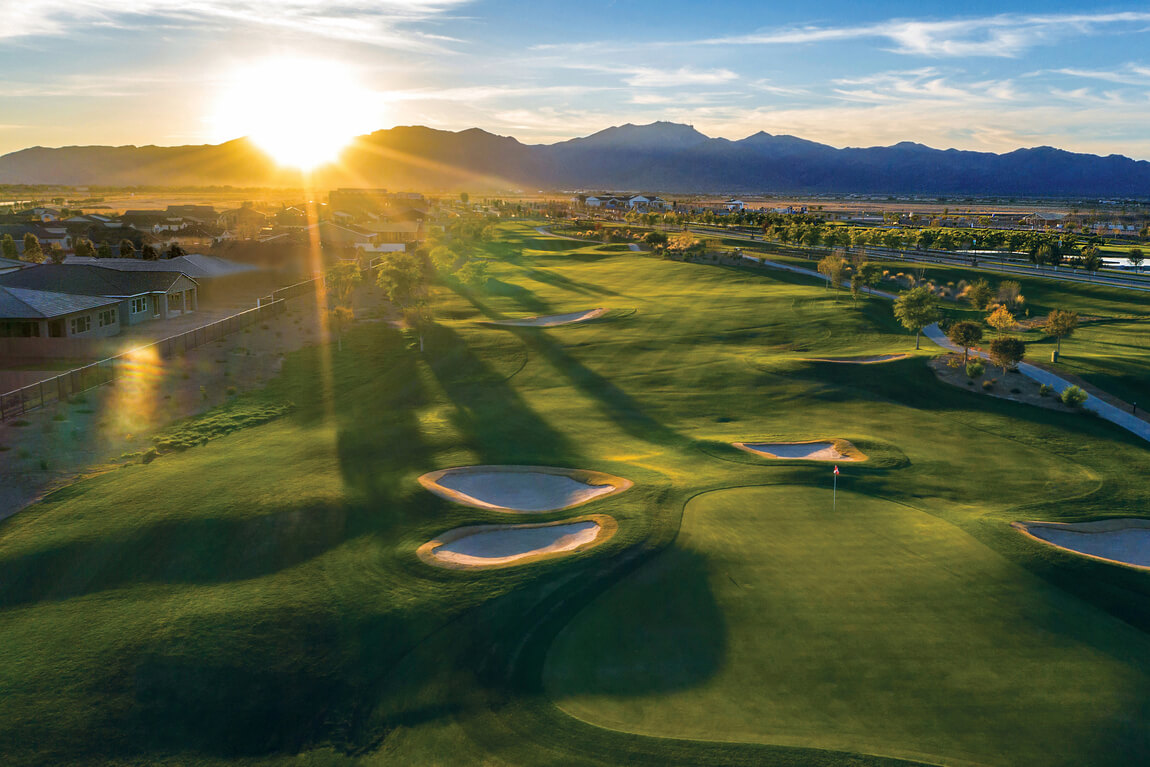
818	450
486	546
1125	541
522	489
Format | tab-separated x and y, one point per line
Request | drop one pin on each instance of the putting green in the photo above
876	628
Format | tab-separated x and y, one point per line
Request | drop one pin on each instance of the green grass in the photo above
875	628
257	599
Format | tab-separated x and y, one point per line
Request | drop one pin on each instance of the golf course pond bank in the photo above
1123	541
522	489
488	546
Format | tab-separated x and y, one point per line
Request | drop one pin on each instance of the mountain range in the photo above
664	157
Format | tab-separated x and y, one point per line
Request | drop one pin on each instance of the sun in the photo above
302	112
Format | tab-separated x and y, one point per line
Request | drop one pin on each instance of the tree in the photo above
33	253
833	267
1060	324
866	275
474	273
175	251
1007	351
1010	293
84	248
1001	319
8	248
656	239
127	249
341	316
443	259
148	252
1135	257
965	334
979	294
104	251
56	253
1091	259
342	279
403	278
464	197
916	309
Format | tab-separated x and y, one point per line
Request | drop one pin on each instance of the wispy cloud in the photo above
376	22
1004	35
1131	74
675	78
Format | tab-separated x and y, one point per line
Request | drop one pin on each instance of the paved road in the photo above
1105	410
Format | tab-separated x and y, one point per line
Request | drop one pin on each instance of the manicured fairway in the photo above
258	599
877	628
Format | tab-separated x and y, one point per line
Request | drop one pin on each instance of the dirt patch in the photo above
861	360
815	450
522	489
551	320
1119	541
480	547
1000	386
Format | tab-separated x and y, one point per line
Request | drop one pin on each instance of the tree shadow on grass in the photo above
181	551
617	404
520	295
493	418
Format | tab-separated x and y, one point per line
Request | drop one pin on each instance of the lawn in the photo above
257	599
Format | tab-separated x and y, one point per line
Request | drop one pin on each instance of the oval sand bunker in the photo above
825	450
522	489
1124	541
483	546
552	320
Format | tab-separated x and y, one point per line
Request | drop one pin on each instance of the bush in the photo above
989	383
150	455
1045	390
1016	390
974	369
1073	396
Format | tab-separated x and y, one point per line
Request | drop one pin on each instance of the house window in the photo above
80	324
175	302
19	329
139	305
107	317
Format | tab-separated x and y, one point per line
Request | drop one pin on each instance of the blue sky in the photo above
989	78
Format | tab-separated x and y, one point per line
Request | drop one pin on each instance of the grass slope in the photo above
257	599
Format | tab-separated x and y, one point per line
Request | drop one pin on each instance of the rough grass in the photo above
258	599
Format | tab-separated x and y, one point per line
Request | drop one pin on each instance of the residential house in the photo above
26	313
8	265
140	296
246	221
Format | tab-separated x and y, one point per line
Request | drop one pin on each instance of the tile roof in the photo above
195	265
86	280
24	304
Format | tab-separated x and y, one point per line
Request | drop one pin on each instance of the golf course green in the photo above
258	599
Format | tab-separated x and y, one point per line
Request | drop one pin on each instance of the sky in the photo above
978	75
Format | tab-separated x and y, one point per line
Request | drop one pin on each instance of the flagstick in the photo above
835	494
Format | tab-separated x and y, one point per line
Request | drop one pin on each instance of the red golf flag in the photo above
836	471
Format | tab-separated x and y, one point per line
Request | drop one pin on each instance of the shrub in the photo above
149	455
989	383
1016	390
974	368
21	423
1045	390
1073	396
232	391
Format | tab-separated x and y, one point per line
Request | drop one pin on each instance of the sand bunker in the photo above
861	360
522	488
1123	541
551	320
828	450
482	546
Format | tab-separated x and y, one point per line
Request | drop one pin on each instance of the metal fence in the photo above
69	384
